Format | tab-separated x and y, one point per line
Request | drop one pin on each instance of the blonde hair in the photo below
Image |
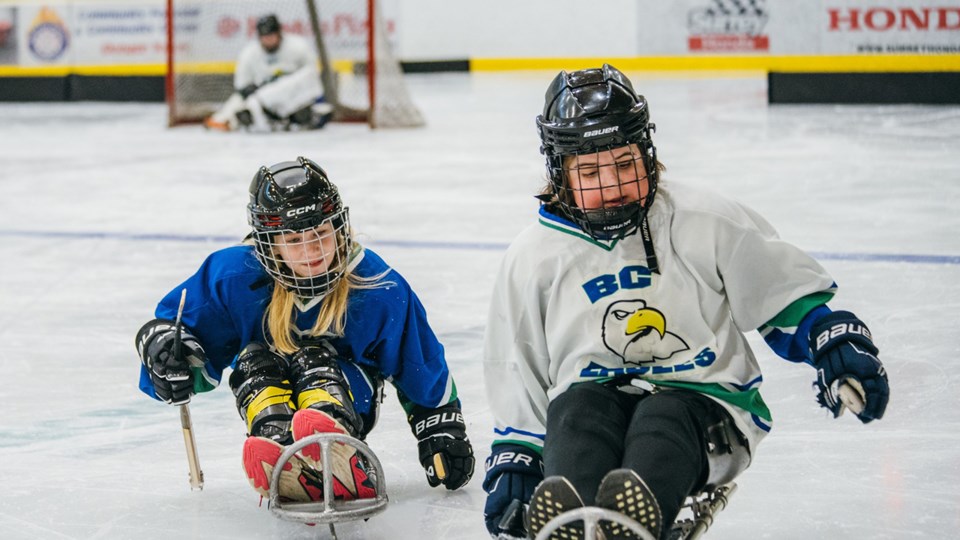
332	318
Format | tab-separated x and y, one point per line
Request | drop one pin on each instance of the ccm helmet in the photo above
589	111
295	208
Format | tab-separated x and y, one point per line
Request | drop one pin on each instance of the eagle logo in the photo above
638	334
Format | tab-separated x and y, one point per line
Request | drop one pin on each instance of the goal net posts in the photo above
361	77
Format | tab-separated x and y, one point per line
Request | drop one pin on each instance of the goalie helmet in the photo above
589	111
268	24
295	209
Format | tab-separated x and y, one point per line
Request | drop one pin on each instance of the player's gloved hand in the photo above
513	472
247	90
171	376
849	375
445	450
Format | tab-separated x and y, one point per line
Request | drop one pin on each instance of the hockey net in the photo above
361	77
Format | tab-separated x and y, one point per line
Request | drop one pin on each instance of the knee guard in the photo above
728	453
264	395
318	383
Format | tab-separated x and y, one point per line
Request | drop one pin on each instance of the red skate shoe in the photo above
350	478
298	482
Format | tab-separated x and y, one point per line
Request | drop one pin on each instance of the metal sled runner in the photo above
328	510
704	508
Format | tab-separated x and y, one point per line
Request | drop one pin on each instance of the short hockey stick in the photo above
196	474
852	396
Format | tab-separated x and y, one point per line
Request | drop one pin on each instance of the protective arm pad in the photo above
848	370
444	448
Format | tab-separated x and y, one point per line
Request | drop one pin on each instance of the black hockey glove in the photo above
513	472
849	375
445	450
247	90
172	378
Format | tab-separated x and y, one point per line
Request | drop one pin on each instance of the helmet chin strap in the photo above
647	238
643	228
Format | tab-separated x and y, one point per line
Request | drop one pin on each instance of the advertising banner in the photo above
134	32
787	27
94	34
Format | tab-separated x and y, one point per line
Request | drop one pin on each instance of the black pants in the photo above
593	429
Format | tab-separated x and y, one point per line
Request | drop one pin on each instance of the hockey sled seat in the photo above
330	509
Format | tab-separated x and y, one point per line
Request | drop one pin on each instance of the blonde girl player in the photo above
311	323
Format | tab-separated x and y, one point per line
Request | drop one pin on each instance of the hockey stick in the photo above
196	475
512	521
852	396
438	466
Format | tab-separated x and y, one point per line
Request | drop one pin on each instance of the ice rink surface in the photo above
104	210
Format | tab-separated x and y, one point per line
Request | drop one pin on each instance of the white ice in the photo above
103	210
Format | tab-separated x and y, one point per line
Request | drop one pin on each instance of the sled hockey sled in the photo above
701	511
329	510
696	516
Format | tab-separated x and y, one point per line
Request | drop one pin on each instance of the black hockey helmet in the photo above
268	24
594	110
298	197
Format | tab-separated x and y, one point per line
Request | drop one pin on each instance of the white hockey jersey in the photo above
567	309
257	66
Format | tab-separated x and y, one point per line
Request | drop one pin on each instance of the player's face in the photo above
608	178
270	42
308	253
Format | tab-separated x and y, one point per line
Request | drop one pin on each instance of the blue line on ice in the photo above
448	245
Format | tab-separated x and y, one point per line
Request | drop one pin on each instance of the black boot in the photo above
623	491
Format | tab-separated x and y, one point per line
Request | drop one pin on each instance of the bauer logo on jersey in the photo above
638	334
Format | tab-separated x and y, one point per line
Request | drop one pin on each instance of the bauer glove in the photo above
513	472
445	450
171	375
849	375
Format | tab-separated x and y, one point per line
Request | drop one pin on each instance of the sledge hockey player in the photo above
311	323
616	364
276	85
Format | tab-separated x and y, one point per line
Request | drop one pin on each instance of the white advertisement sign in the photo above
806	27
890	26
134	32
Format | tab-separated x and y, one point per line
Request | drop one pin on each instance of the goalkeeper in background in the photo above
276	85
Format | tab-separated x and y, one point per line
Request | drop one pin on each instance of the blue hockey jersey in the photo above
386	330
